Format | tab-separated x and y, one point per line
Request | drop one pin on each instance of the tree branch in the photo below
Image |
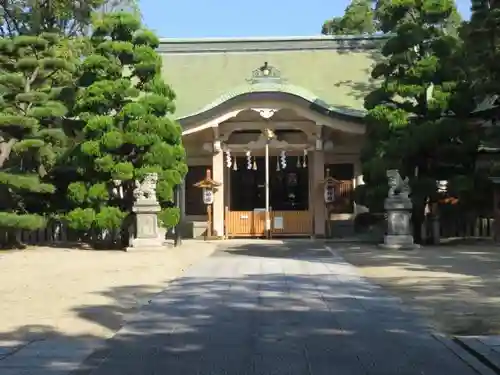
27	86
5	149
29	82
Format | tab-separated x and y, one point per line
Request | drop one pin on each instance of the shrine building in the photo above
271	119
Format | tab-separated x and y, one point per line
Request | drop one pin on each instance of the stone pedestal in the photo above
148	234
436	230
399	235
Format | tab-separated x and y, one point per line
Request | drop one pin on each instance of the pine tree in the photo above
113	6
358	18
65	17
370	17
128	130
414	119
482	41
31	138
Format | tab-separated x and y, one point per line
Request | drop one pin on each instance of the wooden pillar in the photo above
210	223
313	192
318	173
218	205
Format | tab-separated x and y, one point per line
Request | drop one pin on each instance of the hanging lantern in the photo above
283	159
304	159
298	162
254	164
249	160
278	165
228	159
235	164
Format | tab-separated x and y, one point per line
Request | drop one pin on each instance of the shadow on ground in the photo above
454	286
280	249
248	318
43	346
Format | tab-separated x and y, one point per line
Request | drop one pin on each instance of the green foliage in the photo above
31	139
111	6
109	218
416	119
25	182
481	36
382	16
14	221
169	217
98	193
482	43
68	17
128	130
81	219
77	193
358	18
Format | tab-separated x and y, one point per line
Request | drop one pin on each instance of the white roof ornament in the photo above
266	73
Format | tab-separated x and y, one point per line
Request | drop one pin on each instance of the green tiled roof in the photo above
283	88
332	71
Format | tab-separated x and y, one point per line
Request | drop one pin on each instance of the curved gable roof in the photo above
334	70
284	88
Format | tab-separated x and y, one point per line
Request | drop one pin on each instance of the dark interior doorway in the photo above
288	188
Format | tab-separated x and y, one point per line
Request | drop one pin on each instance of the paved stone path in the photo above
275	309
485	347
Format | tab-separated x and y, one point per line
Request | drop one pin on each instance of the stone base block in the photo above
213	238
399	242
147	243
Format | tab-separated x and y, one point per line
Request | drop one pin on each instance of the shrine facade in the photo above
271	119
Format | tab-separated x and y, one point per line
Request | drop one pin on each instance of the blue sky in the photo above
228	18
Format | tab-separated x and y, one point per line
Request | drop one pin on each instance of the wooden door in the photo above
292	223
245	223
259	223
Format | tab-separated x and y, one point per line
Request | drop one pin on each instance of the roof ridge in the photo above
225	45
274	38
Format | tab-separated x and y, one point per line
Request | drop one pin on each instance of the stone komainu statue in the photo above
146	189
397	186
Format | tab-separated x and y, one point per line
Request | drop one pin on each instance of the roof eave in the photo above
315	104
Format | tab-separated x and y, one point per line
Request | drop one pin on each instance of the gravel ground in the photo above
454	287
84	293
